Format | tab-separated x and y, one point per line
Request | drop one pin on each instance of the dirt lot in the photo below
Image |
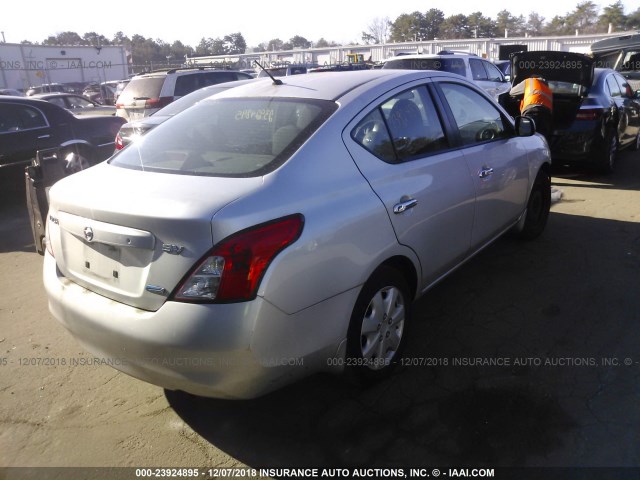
562	312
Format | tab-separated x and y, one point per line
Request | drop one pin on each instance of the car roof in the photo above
330	85
417	56
160	73
55	94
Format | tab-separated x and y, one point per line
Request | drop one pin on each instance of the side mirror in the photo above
525	126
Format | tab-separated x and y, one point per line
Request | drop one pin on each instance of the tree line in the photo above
586	18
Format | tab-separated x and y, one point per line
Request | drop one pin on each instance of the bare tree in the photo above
377	31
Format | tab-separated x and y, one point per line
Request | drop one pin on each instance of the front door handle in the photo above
44	136
404	206
485	172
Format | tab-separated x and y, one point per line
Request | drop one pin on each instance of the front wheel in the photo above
538	206
377	329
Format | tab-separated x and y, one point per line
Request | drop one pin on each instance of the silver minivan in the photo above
146	94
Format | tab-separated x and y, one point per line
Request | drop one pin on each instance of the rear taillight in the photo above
47	239
119	105
232	270
158	102
589	114
119	142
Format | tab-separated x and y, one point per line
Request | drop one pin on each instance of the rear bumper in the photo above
204	349
576	146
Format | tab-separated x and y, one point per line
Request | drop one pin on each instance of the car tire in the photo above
378	326
609	152
636	144
535	217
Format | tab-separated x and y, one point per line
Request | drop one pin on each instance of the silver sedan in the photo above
285	227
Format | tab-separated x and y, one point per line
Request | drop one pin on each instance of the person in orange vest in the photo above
536	102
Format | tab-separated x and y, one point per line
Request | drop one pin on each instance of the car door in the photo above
629	108
496	161
400	147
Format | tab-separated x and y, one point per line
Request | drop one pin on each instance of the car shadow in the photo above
503	368
625	176
15	229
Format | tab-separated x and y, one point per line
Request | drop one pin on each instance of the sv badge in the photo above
172	249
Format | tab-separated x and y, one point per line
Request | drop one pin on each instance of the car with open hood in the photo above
595	111
285	227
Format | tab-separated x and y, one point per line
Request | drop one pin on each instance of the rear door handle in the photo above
404	206
485	172
44	136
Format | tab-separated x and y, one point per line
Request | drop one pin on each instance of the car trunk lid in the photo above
566	67
132	235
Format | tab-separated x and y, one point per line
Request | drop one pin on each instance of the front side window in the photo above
494	74
234	137
477	119
477	70
404	127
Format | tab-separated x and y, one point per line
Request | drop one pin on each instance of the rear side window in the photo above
14	118
142	88
186	84
231	137
613	87
452	65
403	128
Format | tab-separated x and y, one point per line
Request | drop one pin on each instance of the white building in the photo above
24	65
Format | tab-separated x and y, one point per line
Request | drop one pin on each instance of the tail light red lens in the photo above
589	114
158	102
232	270
119	142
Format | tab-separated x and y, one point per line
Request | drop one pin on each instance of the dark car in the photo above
136	128
45	88
77	104
103	93
595	111
28	125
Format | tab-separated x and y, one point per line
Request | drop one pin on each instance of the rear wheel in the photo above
609	152
377	329
538	205
636	144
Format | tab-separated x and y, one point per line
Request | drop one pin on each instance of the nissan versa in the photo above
285	226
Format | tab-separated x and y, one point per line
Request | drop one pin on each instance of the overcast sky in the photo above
341	21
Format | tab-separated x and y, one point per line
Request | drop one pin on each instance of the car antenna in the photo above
276	81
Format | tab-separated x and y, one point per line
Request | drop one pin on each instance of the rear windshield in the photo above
235	137
144	87
451	65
